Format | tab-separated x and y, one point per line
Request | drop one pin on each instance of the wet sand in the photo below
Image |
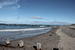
48	41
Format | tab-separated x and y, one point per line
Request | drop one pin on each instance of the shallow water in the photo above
17	26
13	35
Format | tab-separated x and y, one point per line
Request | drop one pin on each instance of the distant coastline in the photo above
21	26
25	24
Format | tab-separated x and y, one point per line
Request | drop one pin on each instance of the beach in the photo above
14	34
48	41
61	38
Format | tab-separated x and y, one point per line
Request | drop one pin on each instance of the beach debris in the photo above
7	41
39	46
21	43
35	47
55	48
50	35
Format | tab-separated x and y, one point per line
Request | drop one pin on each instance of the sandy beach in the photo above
67	40
59	37
48	41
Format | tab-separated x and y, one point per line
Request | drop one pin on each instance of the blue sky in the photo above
37	11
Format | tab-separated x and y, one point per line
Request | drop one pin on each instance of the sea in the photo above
17	26
14	35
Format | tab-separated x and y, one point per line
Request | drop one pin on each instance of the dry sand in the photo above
66	42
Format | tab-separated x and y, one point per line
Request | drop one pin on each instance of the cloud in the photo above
51	23
58	23
2	21
37	17
41	22
16	6
0	6
6	3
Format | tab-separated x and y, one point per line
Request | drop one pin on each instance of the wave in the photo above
28	29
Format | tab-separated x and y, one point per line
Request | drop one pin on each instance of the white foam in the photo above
23	29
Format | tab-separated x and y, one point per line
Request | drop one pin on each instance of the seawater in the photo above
13	35
17	26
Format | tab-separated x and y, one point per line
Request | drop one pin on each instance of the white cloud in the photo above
0	6
38	17
16	6
4	3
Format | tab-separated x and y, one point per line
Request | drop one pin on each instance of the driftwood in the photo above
21	43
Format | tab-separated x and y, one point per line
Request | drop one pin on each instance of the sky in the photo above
37	11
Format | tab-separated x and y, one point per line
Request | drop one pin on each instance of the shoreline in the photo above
28	29
52	30
48	40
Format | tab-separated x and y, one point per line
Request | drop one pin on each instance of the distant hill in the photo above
73	24
24	24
